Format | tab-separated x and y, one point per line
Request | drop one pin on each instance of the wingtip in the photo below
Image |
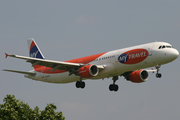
6	55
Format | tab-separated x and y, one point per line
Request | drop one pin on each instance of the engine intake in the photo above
138	76
88	71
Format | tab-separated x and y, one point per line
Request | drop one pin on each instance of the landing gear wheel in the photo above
158	75
113	87
80	84
116	87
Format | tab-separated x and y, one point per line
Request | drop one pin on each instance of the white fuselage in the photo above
118	62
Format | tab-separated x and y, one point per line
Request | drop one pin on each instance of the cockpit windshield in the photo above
165	46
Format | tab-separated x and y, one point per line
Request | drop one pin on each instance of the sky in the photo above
68	29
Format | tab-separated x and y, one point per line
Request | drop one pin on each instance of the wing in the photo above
67	66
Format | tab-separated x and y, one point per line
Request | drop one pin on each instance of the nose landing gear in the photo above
158	75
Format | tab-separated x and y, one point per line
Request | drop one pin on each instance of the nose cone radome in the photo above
174	54
170	55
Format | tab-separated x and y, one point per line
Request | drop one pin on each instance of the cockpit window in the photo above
168	46
165	46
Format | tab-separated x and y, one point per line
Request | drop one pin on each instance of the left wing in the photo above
67	66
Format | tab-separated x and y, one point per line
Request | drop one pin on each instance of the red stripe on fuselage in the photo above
86	60
83	60
136	56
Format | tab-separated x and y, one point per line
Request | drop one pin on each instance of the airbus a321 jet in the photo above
128	62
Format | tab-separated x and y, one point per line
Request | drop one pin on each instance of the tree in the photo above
13	109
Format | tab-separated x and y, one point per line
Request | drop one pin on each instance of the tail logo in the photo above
133	56
33	55
34	52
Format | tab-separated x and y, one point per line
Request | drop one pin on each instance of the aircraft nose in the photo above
175	53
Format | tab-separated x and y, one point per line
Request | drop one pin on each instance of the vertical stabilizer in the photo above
34	50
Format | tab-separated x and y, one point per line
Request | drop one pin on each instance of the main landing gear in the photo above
80	84
114	87
158	75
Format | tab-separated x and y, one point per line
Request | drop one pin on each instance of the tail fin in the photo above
34	50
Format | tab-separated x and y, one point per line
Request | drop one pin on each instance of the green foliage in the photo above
13	109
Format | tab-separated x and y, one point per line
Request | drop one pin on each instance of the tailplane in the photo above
34	50
22	72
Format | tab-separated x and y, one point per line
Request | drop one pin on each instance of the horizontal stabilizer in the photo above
22	72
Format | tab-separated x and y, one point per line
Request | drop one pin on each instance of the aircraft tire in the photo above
82	84
116	87
158	75
113	87
78	84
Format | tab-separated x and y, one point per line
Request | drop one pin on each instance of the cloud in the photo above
86	20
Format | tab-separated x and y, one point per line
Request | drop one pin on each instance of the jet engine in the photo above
138	76
88	71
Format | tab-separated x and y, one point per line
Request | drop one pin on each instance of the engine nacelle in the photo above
139	76
88	71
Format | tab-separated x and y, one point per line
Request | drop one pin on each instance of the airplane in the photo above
128	62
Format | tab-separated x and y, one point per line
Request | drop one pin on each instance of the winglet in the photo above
6	55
